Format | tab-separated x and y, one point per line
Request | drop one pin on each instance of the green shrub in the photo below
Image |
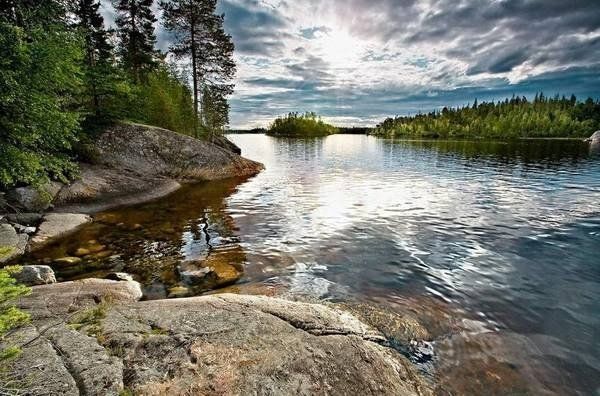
10	316
164	100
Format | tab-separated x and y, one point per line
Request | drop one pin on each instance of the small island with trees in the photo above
301	125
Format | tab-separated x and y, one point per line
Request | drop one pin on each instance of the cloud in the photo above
357	61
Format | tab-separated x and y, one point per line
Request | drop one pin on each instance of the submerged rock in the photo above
216	271
67	260
33	275
12	244
220	344
192	274
56	225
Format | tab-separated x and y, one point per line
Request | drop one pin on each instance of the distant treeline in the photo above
511	118
64	73
296	124
253	130
355	130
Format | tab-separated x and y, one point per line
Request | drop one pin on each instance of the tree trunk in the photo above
194	77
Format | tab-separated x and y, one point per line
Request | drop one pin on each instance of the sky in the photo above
356	62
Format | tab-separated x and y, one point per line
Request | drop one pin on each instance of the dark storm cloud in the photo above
496	37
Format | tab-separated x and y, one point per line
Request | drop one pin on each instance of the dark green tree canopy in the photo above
135	28
201	38
510	118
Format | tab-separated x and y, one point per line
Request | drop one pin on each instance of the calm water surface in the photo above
498	241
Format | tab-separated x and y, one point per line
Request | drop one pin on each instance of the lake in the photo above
496	246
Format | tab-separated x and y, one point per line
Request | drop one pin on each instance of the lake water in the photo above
495	246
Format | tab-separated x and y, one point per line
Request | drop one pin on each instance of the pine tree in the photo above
135	28
100	74
201	38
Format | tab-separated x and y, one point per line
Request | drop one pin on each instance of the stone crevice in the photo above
76	377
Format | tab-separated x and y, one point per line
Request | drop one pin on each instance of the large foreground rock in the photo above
213	345
55	225
132	163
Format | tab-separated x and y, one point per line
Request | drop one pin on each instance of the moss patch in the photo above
6	251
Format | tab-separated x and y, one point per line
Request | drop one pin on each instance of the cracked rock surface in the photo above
221	344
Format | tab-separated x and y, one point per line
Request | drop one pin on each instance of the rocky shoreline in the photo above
95	336
126	164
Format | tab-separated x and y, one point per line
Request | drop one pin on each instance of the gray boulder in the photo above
33	275
56	225
34	199
27	219
12	244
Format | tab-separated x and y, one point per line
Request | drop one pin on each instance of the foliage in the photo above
59	72
165	101
517	117
200	38
135	28
39	82
102	80
10	316
307	124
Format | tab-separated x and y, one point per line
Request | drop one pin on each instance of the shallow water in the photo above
494	245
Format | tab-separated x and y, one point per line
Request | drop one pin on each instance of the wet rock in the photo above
399	329
192	274
24	230
102	255
80	252
33	199
33	275
12	244
56	225
68	260
595	138
119	276
215	271
28	219
178	292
